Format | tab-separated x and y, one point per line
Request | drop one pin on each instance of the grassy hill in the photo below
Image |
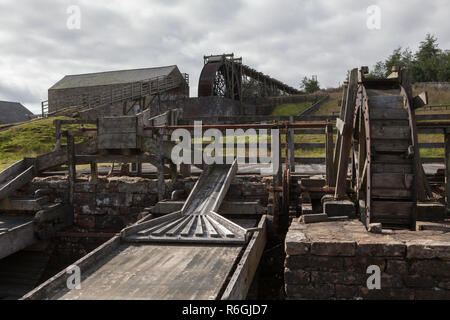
291	109
28	139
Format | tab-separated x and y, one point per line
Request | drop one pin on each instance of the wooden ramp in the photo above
193	253
122	270
197	221
16	233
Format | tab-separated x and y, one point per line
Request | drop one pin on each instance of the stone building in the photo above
11	112
124	88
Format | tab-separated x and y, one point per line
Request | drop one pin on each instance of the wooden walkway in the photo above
127	271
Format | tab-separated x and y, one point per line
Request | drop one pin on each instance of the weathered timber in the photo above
241	280
345	147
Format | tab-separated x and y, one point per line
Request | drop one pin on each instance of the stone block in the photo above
387	294
308	262
347	278
397	267
428	249
375	228
333	248
360	264
346	292
313	218
419	281
297	276
382	248
335	208
323	291
435	267
296	243
433	212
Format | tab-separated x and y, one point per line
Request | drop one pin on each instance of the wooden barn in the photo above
124	88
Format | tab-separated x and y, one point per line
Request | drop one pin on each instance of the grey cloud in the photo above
285	39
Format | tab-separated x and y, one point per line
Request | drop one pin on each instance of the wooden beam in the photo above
241	280
330	175
17	182
291	147
341	181
23	204
72	167
447	169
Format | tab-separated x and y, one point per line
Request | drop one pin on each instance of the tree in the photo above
427	60
429	63
444	67
310	85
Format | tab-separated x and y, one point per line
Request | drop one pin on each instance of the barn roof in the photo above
11	112
111	77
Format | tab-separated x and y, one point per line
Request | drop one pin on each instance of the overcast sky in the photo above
285	39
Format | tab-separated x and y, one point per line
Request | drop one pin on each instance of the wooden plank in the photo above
390	145
241	280
387	193
23	204
72	167
385	102
117	141
447	169
12	171
391	208
59	282
17	234
19	181
392	168
341	181
392	180
330	174
388	114
378	131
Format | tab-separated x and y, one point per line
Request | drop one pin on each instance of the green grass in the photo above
28	140
331	106
291	109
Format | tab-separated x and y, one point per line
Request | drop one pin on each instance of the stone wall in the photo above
112	203
329	261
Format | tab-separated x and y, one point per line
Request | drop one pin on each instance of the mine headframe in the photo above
226	76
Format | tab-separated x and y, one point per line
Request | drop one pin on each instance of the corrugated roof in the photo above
111	77
11	112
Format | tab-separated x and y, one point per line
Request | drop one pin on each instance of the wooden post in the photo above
447	168
72	166
341	181
173	171
291	147
185	170
277	182
57	124
330	176
94	172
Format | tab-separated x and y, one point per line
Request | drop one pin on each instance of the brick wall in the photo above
330	261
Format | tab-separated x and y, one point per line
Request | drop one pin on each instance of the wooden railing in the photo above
128	92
